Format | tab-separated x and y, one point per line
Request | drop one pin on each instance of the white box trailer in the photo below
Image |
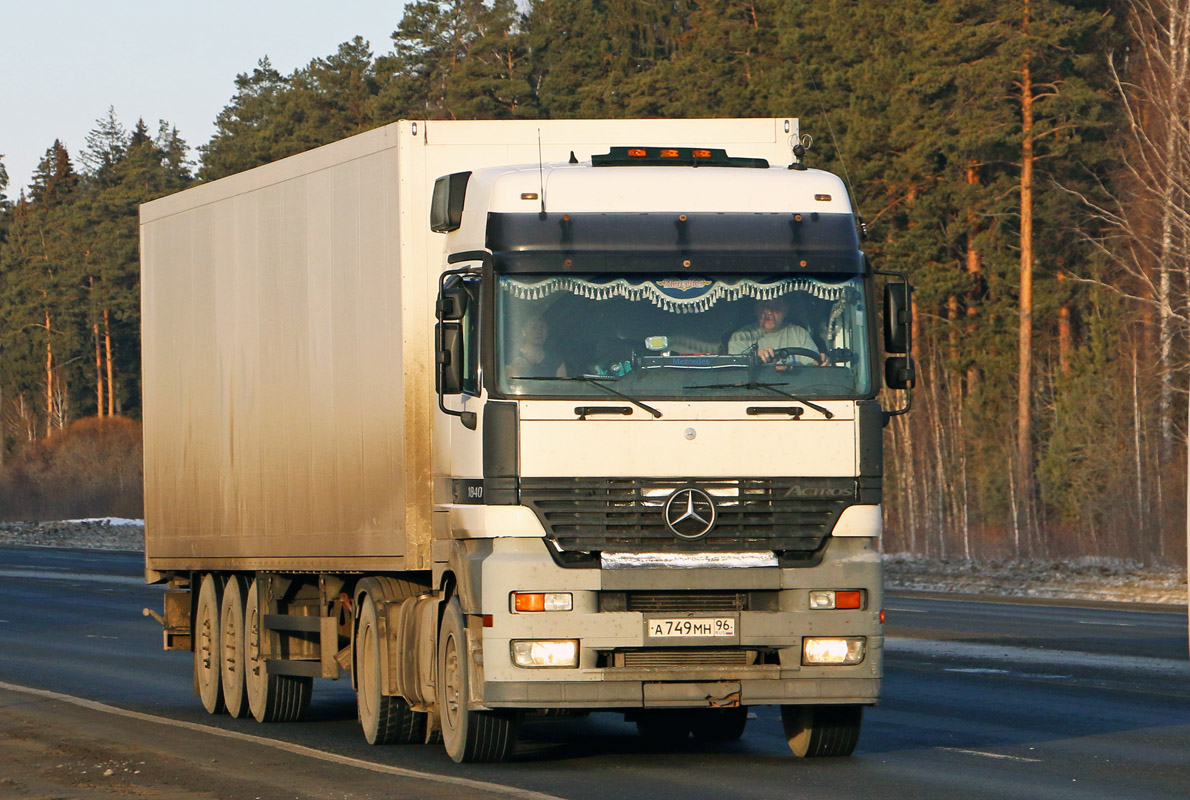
489	417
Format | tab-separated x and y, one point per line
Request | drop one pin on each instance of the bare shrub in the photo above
93	468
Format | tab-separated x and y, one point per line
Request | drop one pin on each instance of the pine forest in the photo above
1026	162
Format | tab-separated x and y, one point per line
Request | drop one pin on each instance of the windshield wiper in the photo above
772	387
600	382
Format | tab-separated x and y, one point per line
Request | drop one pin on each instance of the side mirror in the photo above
452	303
896	317
449	375
900	372
446	203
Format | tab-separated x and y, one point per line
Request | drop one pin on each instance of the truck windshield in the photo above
682	336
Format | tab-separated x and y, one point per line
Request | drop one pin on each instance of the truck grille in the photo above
626	515
682	602
684	657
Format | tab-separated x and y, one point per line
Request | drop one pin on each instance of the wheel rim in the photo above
254	676
206	648
451	684
231	662
367	677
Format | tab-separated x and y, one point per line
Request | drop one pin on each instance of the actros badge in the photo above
690	513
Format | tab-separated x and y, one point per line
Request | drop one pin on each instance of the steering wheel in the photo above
788	352
837	355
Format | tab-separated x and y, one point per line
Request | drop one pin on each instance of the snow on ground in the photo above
1081	579
107	533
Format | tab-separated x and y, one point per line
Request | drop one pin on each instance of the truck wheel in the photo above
206	645
385	719
815	731
271	698
469	735
231	650
719	724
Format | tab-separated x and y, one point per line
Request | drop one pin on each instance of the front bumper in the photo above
771	638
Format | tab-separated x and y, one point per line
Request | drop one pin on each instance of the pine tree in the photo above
248	128
456	59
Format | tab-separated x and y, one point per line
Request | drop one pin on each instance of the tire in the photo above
271	698
385	719
664	727
822	731
207	684
231	648
719	724
469	735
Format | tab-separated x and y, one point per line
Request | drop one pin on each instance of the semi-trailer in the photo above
497	418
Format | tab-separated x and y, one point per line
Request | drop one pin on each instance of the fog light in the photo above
834	651
545	653
822	600
542	601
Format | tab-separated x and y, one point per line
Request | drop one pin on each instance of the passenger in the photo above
771	333
533	358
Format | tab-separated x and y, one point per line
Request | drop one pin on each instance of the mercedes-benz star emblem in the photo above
690	513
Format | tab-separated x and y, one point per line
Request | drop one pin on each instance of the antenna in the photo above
540	172
863	226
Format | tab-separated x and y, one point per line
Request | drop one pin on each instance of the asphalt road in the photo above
981	700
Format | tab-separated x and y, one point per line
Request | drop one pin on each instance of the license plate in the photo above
681	627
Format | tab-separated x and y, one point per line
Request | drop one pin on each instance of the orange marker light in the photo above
849	600
669	153
529	602
638	152
702	153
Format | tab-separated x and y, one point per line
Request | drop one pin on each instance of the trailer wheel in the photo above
385	719
816	731
469	735
232	644
271	698
719	724
206	645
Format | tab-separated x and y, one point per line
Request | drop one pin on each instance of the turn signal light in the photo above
542	601
836	599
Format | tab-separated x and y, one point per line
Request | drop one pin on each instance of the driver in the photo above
533	359
771	332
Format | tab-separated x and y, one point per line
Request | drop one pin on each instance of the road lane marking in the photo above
72	577
986	671
985	754
297	749
1015	657
1113	624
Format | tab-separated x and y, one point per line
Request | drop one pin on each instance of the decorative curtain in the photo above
675	295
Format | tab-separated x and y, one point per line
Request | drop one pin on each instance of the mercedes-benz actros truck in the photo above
499	419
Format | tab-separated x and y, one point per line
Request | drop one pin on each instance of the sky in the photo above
64	62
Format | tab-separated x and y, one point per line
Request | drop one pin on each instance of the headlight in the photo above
833	651
545	653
